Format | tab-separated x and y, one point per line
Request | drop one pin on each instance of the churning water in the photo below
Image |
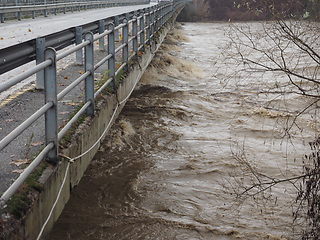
193	135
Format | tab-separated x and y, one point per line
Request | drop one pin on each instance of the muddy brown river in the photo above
184	148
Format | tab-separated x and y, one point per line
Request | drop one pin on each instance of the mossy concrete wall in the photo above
86	136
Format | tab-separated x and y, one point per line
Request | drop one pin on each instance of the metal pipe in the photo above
25	174
123	65
101	40
101	35
23	76
135	36
72	50
119	26
102	61
111	50
89	67
40	43
73	120
103	87
116	31
79	54
125	50
23	126
120	47
51	116
68	89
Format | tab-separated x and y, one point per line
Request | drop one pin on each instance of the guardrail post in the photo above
19	16
79	53
111	50
168	12
135	36
89	66
116	32
51	118
2	17
148	27
125	38
156	19
152	23
40	45
101	40
33	14
161	16
142	33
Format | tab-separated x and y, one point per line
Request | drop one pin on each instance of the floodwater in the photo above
193	136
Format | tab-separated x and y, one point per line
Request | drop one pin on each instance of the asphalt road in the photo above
14	32
19	103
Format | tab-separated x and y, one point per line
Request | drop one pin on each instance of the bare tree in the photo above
288	49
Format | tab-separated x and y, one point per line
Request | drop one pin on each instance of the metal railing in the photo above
17	55
143	27
7	3
44	8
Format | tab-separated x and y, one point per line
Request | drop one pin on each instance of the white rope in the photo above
106	129
55	203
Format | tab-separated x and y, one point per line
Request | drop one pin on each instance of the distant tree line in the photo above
249	10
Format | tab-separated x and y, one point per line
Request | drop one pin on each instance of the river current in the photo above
192	136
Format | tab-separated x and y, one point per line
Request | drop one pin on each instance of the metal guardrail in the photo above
144	25
63	7
17	55
8	3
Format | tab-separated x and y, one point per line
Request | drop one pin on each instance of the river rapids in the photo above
193	137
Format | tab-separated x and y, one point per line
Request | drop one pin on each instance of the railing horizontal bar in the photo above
72	85
26	74
119	26
102	61
72	50
131	39
140	32
23	176
120	68
133	54
102	87
23	126
73	120
102	35
140	48
120	47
